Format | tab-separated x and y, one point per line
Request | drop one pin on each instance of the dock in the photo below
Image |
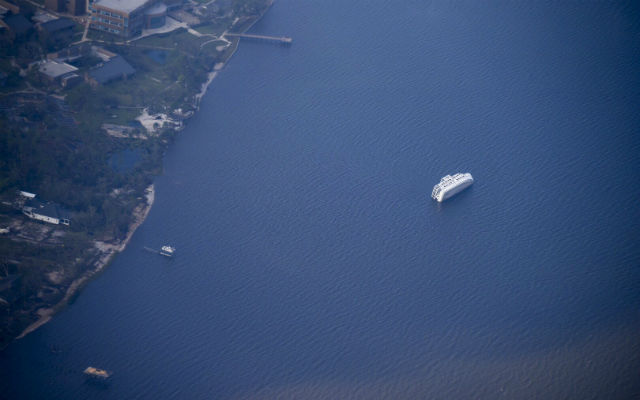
284	40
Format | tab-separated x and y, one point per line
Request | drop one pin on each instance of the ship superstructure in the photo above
167	251
450	185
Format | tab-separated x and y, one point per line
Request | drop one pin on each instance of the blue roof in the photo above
113	69
57	25
18	24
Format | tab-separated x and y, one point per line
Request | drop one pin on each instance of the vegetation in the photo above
52	144
26	269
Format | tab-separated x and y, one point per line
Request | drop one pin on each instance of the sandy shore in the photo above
205	85
210	77
107	251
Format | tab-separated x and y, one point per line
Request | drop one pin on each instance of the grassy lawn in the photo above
215	27
122	116
102	36
163	84
170	40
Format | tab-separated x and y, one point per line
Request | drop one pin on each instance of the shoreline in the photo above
219	66
108	250
210	77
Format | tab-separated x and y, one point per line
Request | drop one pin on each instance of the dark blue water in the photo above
125	160
312	262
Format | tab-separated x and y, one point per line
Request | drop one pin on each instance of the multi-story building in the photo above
124	18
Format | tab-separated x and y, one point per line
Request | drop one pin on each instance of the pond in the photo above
125	160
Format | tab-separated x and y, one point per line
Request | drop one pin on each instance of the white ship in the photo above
450	185
167	251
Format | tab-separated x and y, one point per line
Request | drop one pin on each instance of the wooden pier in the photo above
284	40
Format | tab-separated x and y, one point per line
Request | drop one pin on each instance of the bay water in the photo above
311	261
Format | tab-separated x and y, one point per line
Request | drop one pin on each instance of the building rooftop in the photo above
57	25
115	68
54	69
43	16
28	195
159	8
48	209
18	24
127	6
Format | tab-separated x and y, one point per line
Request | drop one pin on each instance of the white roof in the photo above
158	8
56	69
42	16
27	194
126	6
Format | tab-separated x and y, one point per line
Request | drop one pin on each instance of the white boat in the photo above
450	185
167	251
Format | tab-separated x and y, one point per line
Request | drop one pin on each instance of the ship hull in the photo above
448	193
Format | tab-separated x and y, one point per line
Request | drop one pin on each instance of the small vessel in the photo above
450	185
167	251
101	374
